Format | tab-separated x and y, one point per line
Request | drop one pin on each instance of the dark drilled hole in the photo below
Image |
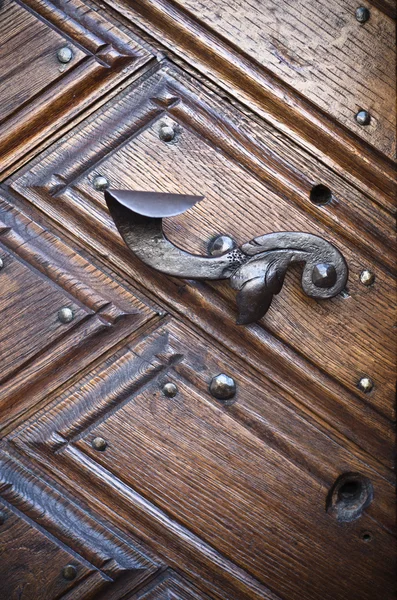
350	490
366	536
320	194
349	496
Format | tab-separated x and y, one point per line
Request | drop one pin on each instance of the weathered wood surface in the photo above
40	276
228	500
267	94
43	531
322	51
39	94
249	479
357	329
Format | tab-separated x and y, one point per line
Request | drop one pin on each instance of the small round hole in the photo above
320	194
350	490
350	495
366	536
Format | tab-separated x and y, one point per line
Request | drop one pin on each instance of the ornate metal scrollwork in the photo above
256	269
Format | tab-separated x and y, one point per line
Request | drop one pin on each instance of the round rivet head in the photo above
65	315
367	277
363	117
69	572
362	14
99	444
324	275
1	263
64	55
220	245
166	133
170	389
223	387
100	183
365	384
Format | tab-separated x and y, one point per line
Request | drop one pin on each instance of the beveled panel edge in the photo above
56	514
110	59
113	312
266	95
264	353
145	362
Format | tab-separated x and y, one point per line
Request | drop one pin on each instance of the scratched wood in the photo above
223	472
42	532
321	50
39	93
357	328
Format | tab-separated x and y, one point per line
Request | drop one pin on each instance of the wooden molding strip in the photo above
266	94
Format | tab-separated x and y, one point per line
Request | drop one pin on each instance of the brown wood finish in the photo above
146	496
40	276
38	92
248	208
48	532
266	94
215	469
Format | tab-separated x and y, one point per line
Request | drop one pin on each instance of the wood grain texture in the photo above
244	478
321	50
268	95
44	531
38	93
207	159
40	276
169	586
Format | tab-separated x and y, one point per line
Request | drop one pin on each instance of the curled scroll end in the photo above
152	204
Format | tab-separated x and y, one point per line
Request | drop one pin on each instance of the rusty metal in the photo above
256	269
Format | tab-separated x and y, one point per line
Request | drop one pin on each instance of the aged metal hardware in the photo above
170	389
64	55
365	384
367	277
99	444
256	269
223	387
65	315
363	117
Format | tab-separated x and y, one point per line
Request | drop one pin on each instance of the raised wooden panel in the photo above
250	479
168	587
42	532
322	51
38	92
253	185
40	276
269	93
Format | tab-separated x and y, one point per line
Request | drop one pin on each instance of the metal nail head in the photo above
170	389
69	572
65	315
365	384
100	183
166	133
367	277
220	245
223	387
363	117
362	14
64	55
99	444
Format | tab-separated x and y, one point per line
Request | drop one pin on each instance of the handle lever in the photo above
256	270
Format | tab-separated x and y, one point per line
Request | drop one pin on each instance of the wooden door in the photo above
123	475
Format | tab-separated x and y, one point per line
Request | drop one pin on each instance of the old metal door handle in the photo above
256	269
